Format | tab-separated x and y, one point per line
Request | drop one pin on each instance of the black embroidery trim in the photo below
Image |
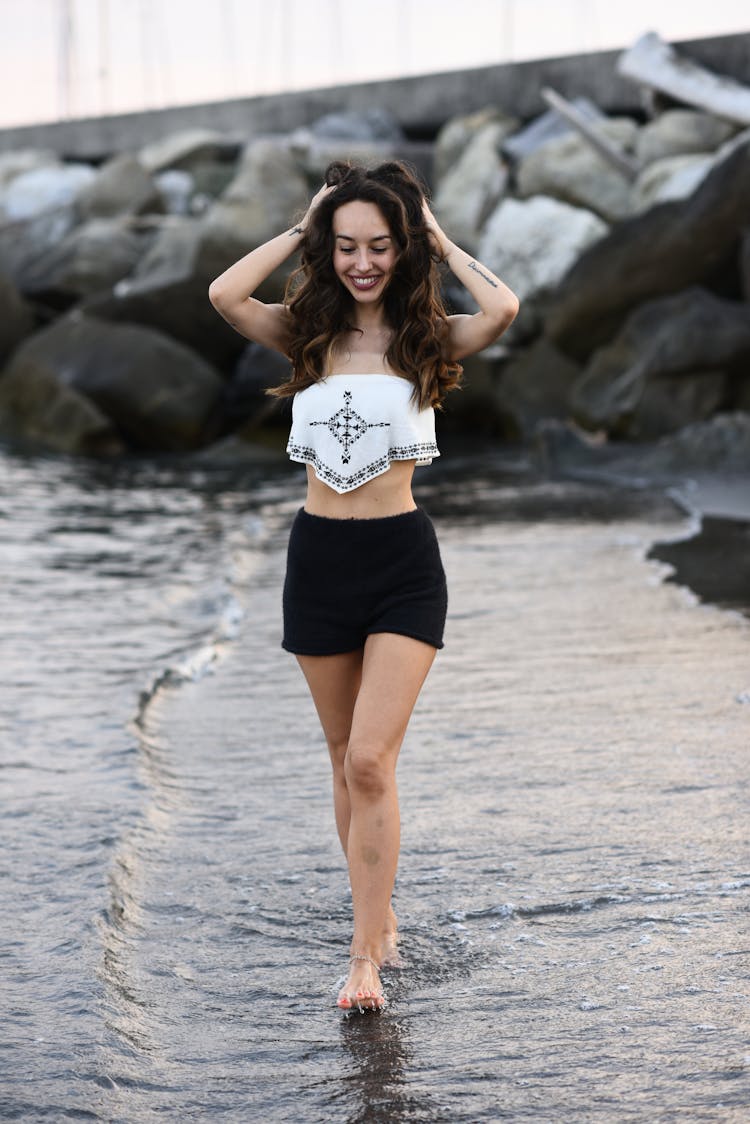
347	426
418	451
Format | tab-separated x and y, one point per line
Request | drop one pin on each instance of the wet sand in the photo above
575	872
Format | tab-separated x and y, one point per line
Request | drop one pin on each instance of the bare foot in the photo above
362	989
390	956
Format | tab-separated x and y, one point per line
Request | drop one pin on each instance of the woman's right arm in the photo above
231	293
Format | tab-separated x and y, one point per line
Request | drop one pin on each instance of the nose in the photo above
363	258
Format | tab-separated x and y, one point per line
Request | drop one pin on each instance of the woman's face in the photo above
364	254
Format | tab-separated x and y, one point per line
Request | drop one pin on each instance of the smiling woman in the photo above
373	353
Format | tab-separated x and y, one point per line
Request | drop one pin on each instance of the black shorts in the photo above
348	578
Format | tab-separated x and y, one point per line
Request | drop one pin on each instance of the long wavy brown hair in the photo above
322	309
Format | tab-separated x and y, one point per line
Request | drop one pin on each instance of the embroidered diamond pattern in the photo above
347	426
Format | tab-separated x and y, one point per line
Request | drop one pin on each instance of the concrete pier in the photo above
422	103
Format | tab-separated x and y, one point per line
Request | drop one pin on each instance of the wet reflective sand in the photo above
574	879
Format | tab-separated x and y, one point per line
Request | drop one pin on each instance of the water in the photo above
574	880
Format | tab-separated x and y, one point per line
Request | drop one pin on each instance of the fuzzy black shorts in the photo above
348	578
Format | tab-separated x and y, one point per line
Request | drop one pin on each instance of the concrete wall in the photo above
422	103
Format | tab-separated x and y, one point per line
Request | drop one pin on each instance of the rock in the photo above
24	241
122	186
652	62
244	399
168	290
673	177
187	148
745	265
251	448
37	409
176	189
532	243
680	132
375	124
90	258
471	189
15	318
157	394
44	189
266	194
313	154
18	161
694	335
721	444
536	384
568	168
669	247
456	135
669	404
546	127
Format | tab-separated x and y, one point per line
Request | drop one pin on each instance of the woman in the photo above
372	354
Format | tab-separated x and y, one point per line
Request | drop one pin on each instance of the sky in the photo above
82	58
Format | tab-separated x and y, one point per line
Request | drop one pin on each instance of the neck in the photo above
370	320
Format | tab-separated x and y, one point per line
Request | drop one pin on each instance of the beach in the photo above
574	878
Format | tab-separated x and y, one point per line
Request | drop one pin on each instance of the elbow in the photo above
215	295
511	311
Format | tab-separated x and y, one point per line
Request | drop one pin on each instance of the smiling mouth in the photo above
364	282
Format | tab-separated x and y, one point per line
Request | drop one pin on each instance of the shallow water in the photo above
575	877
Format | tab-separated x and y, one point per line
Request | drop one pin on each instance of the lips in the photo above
364	283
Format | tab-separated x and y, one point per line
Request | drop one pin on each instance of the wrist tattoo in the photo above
296	230
473	265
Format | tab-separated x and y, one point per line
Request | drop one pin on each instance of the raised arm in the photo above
231	292
498	305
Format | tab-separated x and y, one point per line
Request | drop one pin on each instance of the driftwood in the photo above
591	133
654	63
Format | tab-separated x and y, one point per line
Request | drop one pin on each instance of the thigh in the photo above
334	683
394	668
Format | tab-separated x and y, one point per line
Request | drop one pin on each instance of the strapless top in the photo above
350	427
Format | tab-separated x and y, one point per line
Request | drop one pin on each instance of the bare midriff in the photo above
387	494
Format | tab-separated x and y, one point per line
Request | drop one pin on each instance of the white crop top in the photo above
350	428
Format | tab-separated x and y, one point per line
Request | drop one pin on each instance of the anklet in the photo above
369	959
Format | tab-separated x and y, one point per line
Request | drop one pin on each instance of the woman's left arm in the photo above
498	304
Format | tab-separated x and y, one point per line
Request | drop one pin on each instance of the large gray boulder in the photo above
168	290
671	364
569	169
24	241
19	160
122	186
186	149
90	258
669	247
15	318
38	410
458	133
157	394
266	195
535	384
532	243
679	132
44	189
672	177
546	127
467	193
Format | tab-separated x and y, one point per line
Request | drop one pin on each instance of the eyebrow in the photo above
377	238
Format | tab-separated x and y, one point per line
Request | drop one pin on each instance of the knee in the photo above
368	768
337	748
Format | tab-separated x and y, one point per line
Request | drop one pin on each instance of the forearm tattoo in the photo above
296	230
490	281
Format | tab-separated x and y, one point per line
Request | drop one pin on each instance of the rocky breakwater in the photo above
628	242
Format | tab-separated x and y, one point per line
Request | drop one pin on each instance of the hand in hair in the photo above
438	239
